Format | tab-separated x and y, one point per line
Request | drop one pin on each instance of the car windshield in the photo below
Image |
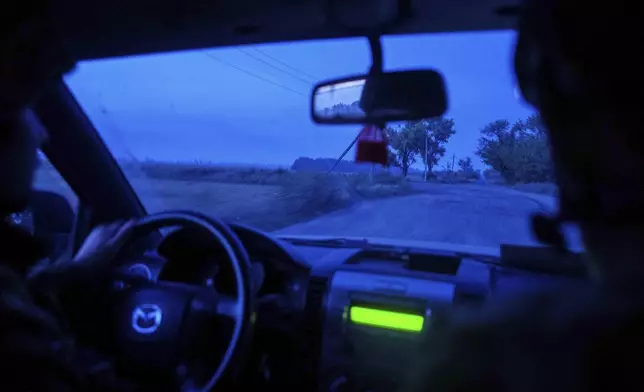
228	132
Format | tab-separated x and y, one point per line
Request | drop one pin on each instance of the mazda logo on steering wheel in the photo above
146	319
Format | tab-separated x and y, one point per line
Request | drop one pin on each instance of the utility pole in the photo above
425	157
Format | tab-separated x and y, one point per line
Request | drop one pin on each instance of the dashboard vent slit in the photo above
314	322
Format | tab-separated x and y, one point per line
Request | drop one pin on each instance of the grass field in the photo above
268	199
545	188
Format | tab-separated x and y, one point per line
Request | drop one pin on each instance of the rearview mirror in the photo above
375	99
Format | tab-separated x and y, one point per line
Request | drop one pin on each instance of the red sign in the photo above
372	146
372	134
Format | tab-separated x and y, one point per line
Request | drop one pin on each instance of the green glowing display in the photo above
386	319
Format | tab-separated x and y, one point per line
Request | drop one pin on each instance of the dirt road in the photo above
480	215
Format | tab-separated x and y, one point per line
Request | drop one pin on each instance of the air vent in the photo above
315	302
317	288
314	323
445	263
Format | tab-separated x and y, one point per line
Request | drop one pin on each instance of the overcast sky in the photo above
251	104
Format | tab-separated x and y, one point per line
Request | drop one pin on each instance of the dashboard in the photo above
345	317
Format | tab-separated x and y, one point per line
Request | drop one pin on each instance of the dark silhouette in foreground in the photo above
575	62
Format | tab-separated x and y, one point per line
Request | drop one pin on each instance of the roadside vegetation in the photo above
268	199
516	154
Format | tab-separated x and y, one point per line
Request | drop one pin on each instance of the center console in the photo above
376	315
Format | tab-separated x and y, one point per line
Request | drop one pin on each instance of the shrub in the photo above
519	152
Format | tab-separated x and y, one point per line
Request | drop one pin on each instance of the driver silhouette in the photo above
37	351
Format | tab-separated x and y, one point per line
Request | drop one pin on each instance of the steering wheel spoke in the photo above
230	307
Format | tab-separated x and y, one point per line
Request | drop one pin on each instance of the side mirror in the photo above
380	98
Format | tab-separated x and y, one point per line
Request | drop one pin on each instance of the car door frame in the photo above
79	154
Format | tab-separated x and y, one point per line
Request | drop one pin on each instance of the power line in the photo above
255	75
333	90
308	82
314	79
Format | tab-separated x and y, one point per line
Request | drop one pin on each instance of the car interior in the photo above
199	303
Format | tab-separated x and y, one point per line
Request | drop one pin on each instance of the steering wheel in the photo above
167	327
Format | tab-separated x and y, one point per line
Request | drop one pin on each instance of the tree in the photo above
403	142
392	159
466	165
437	131
495	146
518	151
408	141
343	109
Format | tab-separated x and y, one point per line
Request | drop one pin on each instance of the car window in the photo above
47	178
52	209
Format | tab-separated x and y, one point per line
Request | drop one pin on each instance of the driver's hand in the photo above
100	247
102	244
92	261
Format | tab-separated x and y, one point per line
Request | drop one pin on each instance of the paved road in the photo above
480	215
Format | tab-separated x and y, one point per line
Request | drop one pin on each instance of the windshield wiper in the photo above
331	242
339	242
